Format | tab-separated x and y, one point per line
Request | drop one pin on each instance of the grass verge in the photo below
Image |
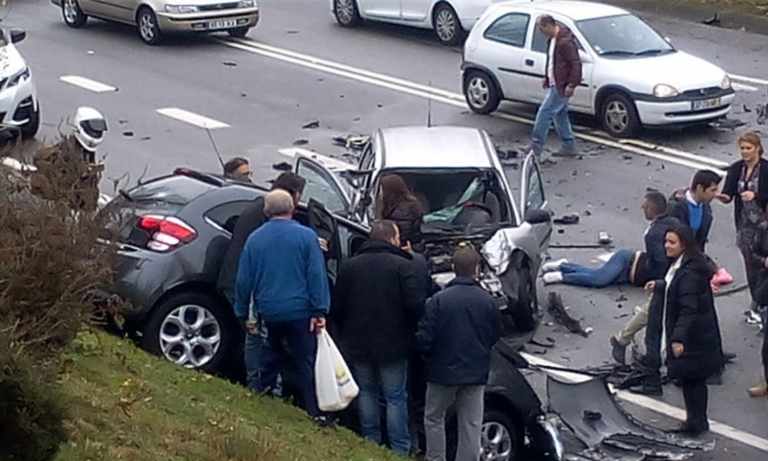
128	405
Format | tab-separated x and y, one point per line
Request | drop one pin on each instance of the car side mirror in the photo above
537	217
18	35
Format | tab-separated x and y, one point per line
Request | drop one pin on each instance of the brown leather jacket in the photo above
567	68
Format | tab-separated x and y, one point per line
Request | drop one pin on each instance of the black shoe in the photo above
691	430
618	351
647	389
323	421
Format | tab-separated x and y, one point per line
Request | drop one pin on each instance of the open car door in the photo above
532	199
327	228
322	185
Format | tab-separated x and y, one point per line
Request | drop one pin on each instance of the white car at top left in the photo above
19	107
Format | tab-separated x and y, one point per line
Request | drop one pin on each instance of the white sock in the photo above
552	277
553	266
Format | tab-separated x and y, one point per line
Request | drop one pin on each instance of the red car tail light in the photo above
166	232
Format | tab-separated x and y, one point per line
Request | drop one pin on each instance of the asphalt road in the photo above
261	92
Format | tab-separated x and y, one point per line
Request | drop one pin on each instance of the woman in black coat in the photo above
694	348
746	185
398	204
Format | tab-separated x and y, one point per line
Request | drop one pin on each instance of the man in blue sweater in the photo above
282	270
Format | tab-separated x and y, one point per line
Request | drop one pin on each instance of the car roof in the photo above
435	147
574	10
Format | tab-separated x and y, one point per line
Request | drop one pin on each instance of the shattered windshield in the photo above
623	36
457	201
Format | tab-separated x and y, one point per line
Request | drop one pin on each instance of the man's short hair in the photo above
547	20
657	201
233	165
465	262
290	182
278	203
705	179
383	229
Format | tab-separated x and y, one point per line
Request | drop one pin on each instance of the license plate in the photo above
706	104
225	24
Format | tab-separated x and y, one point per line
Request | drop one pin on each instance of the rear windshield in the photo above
173	190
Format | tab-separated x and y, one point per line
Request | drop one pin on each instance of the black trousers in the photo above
696	398
753	275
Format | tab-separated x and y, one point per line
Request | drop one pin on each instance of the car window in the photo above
535	189
539	40
623	35
510	29
226	215
320	187
176	190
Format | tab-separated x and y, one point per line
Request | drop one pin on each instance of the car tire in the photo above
149	29
526	313
239	32
30	129
171	331
501	438
447	25
481	93
618	115
73	14
346	12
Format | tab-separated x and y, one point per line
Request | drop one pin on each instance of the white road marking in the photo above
328	162
742	78
689	160
191	118
742	87
88	84
659	407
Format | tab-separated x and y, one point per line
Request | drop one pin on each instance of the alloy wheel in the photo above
617	116
445	25
496	442
345	11
478	92
147	27
70	11
190	336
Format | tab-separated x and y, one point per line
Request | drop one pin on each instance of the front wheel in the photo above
149	29
447	25
191	330
346	13
526	312
73	15
481	93
618	115
501	439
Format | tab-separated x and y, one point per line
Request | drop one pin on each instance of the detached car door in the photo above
532	198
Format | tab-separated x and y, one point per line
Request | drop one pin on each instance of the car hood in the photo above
680	70
11	61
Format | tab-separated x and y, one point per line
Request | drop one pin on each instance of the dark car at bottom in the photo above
172	233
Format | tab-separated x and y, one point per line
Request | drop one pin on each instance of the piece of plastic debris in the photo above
568	219
311	125
604	238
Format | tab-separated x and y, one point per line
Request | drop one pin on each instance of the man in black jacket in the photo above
251	219
456	335
379	301
694	206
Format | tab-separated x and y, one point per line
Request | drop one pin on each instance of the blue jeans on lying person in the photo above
614	272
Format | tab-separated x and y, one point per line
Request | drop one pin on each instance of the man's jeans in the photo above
256	346
391	380
303	345
554	108
615	272
469	409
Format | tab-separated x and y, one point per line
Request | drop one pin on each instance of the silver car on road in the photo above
155	18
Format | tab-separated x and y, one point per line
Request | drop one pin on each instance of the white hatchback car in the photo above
450	19
19	107
632	76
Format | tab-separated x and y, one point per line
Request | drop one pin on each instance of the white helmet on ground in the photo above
90	126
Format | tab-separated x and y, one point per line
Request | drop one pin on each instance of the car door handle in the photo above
529	62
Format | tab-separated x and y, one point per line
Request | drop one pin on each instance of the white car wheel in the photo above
346	12
481	93
618	115
73	15
149	30
447	25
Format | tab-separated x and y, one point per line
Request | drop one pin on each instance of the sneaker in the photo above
761	390
553	266
618	351
567	153
552	277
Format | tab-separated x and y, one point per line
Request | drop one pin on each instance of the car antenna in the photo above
215	148
429	106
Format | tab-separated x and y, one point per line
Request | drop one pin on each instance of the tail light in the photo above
166	232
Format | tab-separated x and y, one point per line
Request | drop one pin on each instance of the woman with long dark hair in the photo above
694	347
397	203
746	185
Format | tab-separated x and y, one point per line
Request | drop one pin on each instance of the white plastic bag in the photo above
334	385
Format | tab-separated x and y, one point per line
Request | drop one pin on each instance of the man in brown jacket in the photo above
563	75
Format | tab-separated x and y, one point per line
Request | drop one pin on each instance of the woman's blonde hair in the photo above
751	137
